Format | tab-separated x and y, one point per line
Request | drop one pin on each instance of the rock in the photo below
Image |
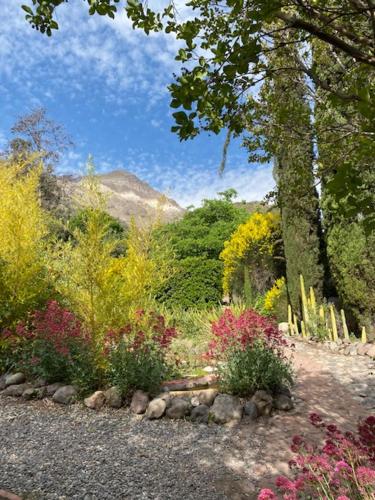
353	350
15	390
371	351
34	393
284	328
156	408
189	383
226	409
140	401
95	401
179	408
52	388
199	396
362	349
40	382
199	414
264	402
15	379
251	410
284	390
283	402
209	369
65	395
113	397
2	382
168	396
194	401
207	397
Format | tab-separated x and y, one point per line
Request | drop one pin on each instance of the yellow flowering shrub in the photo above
23	231
251	240
273	295
104	289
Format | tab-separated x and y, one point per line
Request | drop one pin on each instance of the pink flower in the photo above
266	494
342	465
343	497
366	476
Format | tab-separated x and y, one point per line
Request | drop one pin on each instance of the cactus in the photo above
344	325
303	330
305	312
363	335
333	323
312	300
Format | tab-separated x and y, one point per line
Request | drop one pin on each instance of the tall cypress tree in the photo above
281	125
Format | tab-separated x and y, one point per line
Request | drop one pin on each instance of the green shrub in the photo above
136	369
196	284
137	353
250	349
253	368
55	346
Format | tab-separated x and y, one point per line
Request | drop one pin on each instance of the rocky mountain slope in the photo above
129	197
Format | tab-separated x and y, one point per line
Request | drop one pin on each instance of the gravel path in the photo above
53	452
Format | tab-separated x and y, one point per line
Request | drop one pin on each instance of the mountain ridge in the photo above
128	197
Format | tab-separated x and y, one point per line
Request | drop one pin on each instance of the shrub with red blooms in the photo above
136	353
252	349
54	345
250	327
342	469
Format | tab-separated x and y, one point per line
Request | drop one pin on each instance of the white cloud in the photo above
85	50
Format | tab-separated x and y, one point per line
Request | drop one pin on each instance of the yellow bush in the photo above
256	237
23	231
102	289
273	295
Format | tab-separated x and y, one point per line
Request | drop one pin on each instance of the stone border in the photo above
201	405
341	346
344	348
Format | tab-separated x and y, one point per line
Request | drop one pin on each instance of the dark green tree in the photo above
280	127
346	168
197	239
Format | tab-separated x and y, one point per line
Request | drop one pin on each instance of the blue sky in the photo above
107	85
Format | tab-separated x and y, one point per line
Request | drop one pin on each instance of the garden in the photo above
131	318
224	353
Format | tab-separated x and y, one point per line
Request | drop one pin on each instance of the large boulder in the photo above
283	402
15	379
113	397
199	414
139	403
156	408
179	408
2	382
15	390
65	395
95	401
264	402
226	409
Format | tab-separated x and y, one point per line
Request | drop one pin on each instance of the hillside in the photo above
129	197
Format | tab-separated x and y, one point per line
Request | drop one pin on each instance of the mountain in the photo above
129	197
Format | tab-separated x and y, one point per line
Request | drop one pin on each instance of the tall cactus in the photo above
333	323
344	325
